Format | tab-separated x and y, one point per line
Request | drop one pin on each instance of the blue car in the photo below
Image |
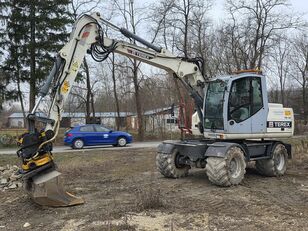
94	134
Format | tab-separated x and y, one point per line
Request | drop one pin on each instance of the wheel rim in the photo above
177	161
235	169
279	161
78	144
122	141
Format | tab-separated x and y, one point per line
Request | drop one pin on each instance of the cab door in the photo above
247	106
239	106
259	105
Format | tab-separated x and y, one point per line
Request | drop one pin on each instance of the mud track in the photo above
124	191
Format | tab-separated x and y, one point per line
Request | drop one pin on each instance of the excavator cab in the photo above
236	107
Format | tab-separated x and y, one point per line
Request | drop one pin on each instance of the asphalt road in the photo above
59	149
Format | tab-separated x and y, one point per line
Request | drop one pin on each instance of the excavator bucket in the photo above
46	189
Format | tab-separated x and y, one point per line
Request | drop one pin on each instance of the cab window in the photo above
257	99
213	118
245	98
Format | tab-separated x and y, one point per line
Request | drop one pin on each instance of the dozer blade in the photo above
46	189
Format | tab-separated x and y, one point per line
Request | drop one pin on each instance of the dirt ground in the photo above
124	191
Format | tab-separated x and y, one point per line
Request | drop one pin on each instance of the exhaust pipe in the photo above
46	189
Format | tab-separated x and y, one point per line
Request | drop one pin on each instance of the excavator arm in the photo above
38	168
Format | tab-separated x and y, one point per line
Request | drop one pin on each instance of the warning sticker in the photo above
279	124
75	66
65	87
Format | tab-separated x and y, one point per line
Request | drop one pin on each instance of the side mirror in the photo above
110	131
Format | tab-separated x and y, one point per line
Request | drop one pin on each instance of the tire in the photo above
78	144
121	142
166	165
275	166
229	170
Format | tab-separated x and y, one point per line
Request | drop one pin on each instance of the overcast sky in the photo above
217	11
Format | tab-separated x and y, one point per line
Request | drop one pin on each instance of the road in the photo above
60	149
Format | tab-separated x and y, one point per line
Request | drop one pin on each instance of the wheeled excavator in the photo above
232	113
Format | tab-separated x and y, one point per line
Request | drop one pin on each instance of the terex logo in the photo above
282	124
139	54
279	124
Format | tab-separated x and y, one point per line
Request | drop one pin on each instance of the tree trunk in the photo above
138	102
305	103
281	90
89	92
21	100
135	80
115	94
181	110
32	58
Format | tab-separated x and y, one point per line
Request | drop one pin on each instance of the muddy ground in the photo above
123	191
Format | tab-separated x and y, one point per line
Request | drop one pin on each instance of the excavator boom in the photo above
41	178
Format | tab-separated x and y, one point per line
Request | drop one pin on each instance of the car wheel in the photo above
78	144
121	142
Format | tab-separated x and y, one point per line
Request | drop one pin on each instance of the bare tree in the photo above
183	26
128	12
300	62
279	64
255	27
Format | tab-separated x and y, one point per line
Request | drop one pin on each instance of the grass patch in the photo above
149	196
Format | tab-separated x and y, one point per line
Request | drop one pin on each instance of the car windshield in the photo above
214	105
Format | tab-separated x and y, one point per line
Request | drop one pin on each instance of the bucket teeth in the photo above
46	189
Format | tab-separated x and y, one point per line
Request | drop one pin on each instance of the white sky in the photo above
217	12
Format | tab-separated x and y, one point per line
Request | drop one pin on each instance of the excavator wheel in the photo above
228	170
167	165
277	165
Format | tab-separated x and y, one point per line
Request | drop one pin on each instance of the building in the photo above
161	120
16	119
108	119
156	120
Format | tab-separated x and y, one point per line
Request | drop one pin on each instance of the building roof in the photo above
97	114
19	115
159	110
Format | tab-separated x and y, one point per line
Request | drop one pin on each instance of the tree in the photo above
186	25
300	62
127	11
256	26
279	63
6	93
36	30
115	93
11	35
